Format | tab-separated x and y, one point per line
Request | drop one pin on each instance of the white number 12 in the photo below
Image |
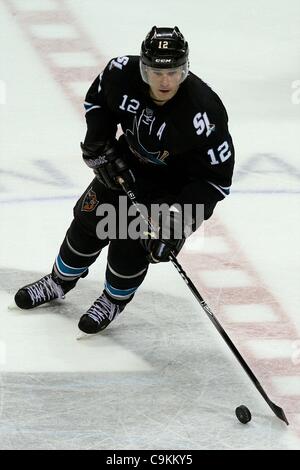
223	151
132	107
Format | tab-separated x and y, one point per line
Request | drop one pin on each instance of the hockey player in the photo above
175	148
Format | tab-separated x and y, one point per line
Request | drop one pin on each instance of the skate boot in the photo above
100	315
44	290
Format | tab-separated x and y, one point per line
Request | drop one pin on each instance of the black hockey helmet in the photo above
164	48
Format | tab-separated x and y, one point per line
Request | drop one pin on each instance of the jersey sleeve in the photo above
101	122
211	158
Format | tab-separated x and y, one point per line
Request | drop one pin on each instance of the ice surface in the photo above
160	377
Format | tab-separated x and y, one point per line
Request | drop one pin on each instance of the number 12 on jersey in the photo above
223	154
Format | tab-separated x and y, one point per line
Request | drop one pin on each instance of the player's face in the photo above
164	83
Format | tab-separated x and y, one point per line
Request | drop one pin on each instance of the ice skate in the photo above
99	315
46	289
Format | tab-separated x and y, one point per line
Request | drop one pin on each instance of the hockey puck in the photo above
243	414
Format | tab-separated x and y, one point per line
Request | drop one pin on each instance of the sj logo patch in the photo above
90	201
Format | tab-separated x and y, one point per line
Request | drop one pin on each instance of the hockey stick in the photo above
275	408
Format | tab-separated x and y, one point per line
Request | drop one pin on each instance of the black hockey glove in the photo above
104	159
170	238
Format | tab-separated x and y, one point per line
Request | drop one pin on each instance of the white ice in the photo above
160	377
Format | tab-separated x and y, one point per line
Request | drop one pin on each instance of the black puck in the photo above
243	414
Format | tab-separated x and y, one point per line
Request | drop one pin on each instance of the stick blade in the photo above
279	412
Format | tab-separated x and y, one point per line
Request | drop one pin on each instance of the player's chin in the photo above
166	94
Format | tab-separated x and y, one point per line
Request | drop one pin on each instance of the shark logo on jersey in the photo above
134	139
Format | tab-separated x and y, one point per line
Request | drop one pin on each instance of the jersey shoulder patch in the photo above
120	70
207	114
123	63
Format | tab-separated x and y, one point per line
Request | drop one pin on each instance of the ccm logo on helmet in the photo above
163	61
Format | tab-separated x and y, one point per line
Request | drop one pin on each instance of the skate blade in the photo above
82	335
13	306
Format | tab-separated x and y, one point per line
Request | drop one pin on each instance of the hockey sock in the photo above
77	252
120	287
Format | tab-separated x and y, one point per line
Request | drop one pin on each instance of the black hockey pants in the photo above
127	262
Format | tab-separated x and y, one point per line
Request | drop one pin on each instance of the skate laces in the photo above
103	309
44	290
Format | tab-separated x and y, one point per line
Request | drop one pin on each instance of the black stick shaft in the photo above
276	409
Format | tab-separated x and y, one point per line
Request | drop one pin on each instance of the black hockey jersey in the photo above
172	148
